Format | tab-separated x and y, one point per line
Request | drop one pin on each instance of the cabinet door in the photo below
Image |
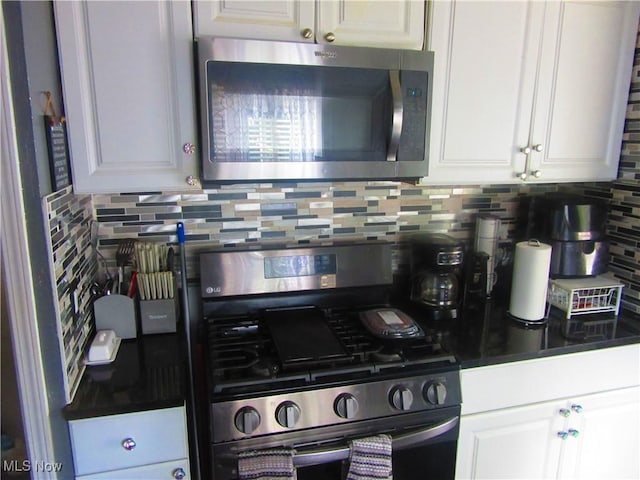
519	442
384	23
485	61
284	20
583	87
127	72
608	438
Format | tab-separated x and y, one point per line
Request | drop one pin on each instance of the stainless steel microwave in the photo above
274	111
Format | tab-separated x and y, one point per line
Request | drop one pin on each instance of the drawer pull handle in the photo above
179	473
129	444
576	408
563	435
565	412
574	433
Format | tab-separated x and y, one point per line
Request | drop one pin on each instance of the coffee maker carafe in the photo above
436	273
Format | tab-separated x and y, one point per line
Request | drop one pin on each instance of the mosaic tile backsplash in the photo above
74	267
304	213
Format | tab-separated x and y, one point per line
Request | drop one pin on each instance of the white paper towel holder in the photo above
531	323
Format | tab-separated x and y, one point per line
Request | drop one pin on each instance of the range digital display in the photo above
299	266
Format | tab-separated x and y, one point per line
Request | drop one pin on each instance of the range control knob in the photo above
435	393
247	419
401	398
345	406
287	414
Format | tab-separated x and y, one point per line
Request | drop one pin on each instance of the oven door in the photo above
423	442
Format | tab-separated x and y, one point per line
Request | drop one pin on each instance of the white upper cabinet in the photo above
128	82
287	20
583	89
397	24
383	23
529	91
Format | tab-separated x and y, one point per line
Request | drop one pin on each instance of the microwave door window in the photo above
284	113
255	117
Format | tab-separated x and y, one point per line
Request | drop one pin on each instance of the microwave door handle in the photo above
398	113
400	442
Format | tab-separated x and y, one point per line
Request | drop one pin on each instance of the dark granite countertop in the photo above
488	335
151	372
148	373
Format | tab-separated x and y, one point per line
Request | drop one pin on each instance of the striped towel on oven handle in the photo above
268	464
370	458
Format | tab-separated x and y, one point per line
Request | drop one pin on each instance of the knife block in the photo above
158	316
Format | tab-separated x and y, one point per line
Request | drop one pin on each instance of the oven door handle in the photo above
399	442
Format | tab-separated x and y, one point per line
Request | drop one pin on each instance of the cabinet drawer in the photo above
159	436
549	378
157	471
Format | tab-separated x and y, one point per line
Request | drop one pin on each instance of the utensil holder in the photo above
117	313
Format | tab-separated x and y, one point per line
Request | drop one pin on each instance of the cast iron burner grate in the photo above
243	357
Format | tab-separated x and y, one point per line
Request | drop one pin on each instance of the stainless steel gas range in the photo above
290	362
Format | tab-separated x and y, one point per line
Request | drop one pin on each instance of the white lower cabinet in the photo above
538	441
149	444
573	416
607	441
510	443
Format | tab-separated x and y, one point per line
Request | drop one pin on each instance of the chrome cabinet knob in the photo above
538	147
189	148
307	33
526	150
522	176
191	180
179	473
565	412
576	408
536	173
563	435
330	37
287	414
574	433
129	444
247	420
346	406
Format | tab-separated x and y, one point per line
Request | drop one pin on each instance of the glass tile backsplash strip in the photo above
74	268
240	215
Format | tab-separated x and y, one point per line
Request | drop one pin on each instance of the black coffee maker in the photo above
437	275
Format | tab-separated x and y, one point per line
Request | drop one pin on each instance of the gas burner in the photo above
265	367
235	358
386	356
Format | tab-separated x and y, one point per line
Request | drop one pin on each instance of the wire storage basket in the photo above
579	296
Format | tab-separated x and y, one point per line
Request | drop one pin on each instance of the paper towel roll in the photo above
530	280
